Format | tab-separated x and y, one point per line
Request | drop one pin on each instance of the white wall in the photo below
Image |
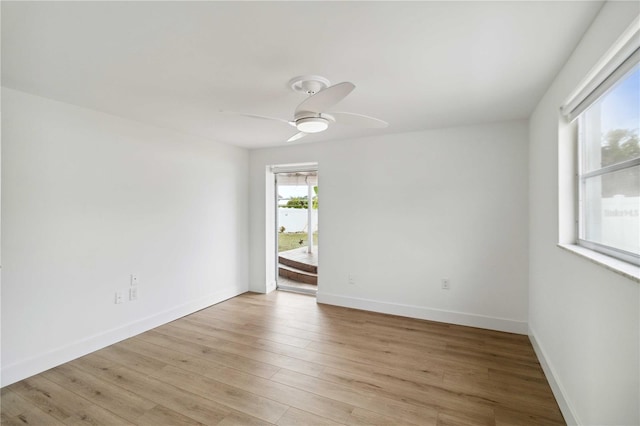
400	212
87	199
584	318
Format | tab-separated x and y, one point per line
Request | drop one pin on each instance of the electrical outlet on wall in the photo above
446	284
118	298
351	279
135	280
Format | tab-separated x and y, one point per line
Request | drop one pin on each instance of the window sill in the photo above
618	266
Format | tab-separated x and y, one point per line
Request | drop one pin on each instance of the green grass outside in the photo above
291	240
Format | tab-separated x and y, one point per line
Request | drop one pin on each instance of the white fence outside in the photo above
295	220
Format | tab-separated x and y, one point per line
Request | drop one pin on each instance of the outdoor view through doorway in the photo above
297	231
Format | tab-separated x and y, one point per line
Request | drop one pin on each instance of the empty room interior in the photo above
320	213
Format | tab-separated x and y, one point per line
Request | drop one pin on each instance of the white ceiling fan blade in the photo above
354	119
261	117
297	136
326	98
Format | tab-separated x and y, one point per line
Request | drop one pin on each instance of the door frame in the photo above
272	217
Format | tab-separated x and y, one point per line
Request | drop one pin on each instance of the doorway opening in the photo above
296	228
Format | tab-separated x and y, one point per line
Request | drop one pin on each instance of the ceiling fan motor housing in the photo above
308	84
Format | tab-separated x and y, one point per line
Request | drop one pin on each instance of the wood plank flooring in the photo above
283	359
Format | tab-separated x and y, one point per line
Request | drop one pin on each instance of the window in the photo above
609	171
606	110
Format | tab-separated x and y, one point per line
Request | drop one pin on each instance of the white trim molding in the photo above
294	167
420	312
559	393
28	367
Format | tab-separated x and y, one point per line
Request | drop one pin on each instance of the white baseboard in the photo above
411	311
556	387
28	367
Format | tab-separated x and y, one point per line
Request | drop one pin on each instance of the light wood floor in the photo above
282	359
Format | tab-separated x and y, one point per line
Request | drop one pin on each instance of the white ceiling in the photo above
417	65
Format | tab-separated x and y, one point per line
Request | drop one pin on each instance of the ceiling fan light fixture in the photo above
312	124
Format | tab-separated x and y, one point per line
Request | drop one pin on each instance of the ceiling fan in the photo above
311	116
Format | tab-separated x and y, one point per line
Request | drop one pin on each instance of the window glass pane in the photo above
611	208
610	126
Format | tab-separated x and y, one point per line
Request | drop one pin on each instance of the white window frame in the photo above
615	64
582	179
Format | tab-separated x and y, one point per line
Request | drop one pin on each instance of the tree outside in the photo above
620	145
303	202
